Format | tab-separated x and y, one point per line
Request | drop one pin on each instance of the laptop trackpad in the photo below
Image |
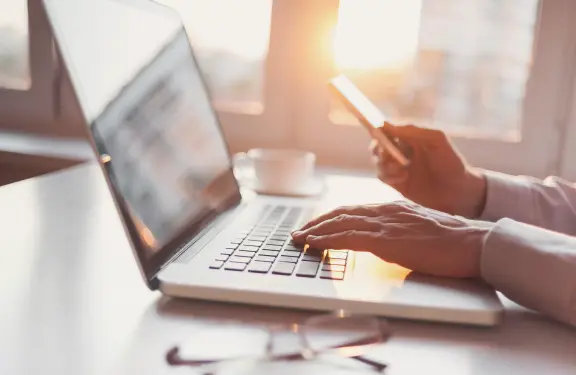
387	282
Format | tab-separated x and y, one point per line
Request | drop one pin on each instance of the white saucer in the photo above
314	186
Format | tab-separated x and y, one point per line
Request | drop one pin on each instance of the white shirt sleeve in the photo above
549	204
532	266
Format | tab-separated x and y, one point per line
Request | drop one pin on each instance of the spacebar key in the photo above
308	269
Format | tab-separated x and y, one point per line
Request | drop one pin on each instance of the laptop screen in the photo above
150	117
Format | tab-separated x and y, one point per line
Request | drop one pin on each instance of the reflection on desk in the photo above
72	300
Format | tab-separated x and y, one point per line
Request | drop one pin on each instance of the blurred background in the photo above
496	74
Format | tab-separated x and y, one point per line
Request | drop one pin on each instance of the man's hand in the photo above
438	176
415	237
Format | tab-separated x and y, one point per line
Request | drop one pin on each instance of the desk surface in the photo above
72	301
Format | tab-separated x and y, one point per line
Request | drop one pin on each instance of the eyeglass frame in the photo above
306	352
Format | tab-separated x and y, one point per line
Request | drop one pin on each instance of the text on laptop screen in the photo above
150	116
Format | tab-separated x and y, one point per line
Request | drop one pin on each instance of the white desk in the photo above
72	302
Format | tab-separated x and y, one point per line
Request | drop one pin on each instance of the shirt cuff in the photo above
532	266
507	196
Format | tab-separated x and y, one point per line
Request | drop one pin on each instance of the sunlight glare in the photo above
238	27
376	33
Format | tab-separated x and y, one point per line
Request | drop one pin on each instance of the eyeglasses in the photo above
337	334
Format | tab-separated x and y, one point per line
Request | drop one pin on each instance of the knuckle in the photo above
381	233
350	233
344	217
341	217
438	134
400	206
396	205
339	211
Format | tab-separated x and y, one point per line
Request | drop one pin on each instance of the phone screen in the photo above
369	115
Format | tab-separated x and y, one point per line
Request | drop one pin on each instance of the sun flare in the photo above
376	33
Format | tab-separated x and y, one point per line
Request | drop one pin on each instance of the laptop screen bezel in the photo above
149	268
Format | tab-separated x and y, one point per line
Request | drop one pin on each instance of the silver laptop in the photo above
169	170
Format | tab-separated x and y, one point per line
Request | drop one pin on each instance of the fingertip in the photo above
312	241
298	234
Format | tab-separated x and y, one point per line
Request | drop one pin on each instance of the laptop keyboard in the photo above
265	247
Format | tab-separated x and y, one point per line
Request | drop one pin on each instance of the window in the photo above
27	69
496	74
14	69
417	69
231	40
234	44
488	72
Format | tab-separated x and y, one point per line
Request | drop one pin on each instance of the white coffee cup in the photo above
275	171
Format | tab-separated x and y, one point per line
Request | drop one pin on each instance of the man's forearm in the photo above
549	204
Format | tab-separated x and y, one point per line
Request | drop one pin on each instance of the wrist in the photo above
476	239
474	193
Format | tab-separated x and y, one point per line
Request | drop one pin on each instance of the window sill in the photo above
24	156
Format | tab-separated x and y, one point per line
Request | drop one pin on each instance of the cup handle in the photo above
243	168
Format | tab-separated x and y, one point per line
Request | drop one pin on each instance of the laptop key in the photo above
233	266
227	251
257	238
332	275
282	232
275	242
217	264
245	254
266	227
333	267
248	248
265	258
276	237
308	269
237	241
293	248
283	268
238	259
338	254
339	262
272	247
312	257
294	254
316	252
287	259
222	257
252	243
269	253
259	267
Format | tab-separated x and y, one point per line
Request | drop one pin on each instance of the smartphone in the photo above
371	118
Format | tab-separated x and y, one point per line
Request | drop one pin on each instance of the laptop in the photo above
167	164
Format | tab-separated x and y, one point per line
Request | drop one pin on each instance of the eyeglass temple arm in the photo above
378	366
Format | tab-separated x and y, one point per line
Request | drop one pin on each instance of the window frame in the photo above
296	101
537	153
271	127
33	110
